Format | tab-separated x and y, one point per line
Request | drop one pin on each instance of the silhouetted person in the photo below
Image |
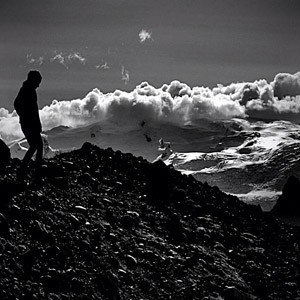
26	107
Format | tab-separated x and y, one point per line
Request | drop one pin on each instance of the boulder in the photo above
160	182
4	153
4	227
288	204
8	189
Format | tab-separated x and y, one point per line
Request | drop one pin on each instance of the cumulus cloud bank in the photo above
175	102
286	84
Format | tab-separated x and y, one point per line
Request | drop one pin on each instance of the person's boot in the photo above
39	167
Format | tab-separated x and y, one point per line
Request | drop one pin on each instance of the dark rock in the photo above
109	285
130	220
245	150
131	261
77	285
8	189
175	229
75	221
288	204
15	211
125	277
28	259
38	230
160	183
232	293
29	295
148	138
145	232
52	170
68	165
4	154
81	209
60	182
4	226
178	196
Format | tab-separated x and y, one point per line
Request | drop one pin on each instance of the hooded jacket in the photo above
26	107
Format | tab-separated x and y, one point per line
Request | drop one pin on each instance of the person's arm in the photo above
18	103
36	114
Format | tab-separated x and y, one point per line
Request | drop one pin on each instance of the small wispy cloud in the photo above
125	75
34	61
60	58
104	66
67	58
145	35
76	56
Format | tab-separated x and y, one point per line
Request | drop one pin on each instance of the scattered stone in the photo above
38	230
158	235
4	227
28	259
128	221
81	209
131	261
52	169
60	182
8	189
232	293
109	285
75	220
148	138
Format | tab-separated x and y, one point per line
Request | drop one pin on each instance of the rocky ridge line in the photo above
107	225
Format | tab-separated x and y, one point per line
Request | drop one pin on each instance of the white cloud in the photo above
9	125
104	66
66	59
286	84
125	75
34	61
287	105
145	35
60	58
175	102
76	56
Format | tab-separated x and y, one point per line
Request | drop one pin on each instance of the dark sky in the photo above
199	42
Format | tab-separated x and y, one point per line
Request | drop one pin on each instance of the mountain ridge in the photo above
102	224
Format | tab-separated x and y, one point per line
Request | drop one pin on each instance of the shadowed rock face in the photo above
100	224
288	203
4	153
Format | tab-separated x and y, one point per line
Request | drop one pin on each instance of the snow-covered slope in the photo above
256	169
248	158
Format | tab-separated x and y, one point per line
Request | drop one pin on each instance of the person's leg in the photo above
29	154
31	140
35	142
39	149
21	172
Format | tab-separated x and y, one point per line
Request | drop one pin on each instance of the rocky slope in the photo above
99	224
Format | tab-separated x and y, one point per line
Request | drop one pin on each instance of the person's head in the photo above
34	78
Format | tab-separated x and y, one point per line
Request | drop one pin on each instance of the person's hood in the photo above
28	84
